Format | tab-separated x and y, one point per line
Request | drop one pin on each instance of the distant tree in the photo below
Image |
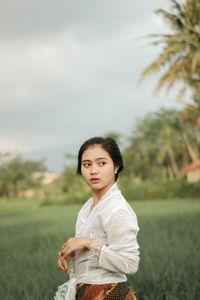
68	177
180	56
15	175
6	156
189	121
160	147
35	166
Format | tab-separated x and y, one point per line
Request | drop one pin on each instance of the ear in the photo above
116	169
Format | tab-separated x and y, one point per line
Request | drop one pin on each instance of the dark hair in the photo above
109	145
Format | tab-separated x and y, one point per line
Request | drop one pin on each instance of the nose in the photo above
93	169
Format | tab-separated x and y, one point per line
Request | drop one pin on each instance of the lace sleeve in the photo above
121	254
94	254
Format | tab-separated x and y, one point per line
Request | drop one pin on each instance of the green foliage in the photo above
180	55
133	189
68	178
76	188
70	188
157	189
31	166
162	144
15	176
31	237
158	149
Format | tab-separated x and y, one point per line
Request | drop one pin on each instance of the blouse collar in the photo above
111	190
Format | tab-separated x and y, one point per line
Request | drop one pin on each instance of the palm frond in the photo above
177	6
195	61
173	74
172	19
180	50
154	67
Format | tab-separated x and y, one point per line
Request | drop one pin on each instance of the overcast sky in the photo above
69	69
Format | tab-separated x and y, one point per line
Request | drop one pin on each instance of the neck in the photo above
98	194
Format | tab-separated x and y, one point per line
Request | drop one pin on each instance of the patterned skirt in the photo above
109	291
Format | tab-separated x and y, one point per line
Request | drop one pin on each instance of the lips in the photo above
94	180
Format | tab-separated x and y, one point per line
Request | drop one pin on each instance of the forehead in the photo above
94	152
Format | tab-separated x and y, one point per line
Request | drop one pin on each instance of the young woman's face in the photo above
97	168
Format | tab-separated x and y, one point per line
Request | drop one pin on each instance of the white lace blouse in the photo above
113	226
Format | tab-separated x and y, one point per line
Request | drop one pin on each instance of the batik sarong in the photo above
110	291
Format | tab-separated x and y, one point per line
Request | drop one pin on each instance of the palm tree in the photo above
180	56
190	130
156	147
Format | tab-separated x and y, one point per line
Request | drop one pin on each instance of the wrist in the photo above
89	243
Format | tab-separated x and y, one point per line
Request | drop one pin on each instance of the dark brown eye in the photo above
86	164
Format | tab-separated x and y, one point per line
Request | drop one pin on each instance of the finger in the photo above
65	252
68	252
62	252
65	266
65	255
64	245
59	264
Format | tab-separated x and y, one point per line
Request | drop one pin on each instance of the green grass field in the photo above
31	235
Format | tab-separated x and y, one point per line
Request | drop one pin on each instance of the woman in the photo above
105	247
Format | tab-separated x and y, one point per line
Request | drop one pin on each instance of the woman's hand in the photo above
62	264
74	244
69	248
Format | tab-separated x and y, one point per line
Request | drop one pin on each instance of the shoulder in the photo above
116	204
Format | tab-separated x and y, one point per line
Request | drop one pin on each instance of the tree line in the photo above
16	175
163	144
159	147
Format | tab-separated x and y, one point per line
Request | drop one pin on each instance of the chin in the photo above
97	187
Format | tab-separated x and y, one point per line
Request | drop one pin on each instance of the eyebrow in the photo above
95	159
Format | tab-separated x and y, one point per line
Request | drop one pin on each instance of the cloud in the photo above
69	69
25	19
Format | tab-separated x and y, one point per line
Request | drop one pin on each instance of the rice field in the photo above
31	235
